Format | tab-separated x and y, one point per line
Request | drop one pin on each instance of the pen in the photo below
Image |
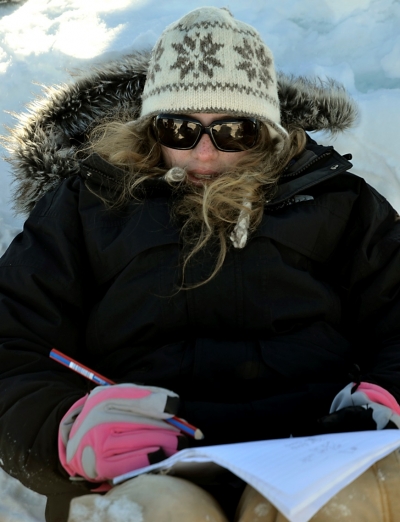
97	378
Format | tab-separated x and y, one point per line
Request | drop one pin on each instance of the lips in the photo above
198	178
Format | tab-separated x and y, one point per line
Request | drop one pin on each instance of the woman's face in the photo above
204	162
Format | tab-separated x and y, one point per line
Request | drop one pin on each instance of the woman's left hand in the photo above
361	407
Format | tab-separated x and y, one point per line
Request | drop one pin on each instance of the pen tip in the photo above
198	435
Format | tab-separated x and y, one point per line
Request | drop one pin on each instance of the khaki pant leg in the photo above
148	498
373	497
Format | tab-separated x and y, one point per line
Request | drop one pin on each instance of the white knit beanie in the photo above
209	62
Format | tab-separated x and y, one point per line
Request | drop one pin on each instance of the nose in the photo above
205	149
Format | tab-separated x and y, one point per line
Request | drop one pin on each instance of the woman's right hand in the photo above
117	429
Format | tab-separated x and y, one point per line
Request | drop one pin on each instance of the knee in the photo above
147	498
253	507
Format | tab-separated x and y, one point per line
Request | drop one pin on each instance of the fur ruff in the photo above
42	146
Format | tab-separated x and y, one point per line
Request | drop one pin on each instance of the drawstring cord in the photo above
241	231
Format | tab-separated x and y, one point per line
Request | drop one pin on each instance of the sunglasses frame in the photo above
206	129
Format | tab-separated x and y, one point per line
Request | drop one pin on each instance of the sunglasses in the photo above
227	135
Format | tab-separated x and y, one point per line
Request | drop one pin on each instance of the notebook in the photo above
298	475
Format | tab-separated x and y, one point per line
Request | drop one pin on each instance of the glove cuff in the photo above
64	430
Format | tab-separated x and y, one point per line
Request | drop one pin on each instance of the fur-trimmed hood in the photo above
42	146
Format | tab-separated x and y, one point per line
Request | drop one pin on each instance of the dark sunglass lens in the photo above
177	133
235	136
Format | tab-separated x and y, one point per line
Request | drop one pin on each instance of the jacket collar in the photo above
315	165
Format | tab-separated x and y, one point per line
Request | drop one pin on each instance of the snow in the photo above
103	509
43	42
19	504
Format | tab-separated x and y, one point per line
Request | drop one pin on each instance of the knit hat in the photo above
209	62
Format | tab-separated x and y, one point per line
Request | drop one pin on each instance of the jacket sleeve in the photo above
369	280
44	284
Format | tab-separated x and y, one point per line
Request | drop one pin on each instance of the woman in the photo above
199	246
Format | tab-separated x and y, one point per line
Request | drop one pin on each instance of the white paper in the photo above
298	475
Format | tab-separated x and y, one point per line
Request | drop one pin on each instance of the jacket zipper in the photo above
315	160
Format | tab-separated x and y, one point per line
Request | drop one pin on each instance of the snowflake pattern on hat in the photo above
200	50
260	73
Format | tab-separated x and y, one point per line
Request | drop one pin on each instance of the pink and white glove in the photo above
360	407
384	406
116	429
